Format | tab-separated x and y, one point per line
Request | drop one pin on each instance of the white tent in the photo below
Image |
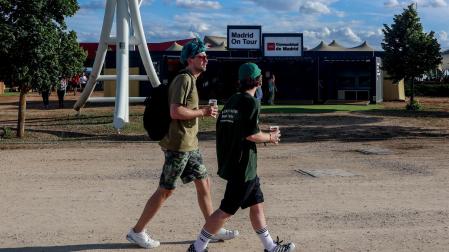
214	41
174	47
337	46
220	47
328	48
364	47
334	46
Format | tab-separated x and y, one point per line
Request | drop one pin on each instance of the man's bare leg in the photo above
213	225
259	223
204	196
216	221
153	205
257	216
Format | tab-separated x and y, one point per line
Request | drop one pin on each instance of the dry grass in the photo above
304	122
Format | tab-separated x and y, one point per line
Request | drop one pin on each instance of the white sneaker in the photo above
284	247
142	239
289	247
224	235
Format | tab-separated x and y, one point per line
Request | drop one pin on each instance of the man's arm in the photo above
179	112
261	137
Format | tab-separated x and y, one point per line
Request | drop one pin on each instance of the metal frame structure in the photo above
129	32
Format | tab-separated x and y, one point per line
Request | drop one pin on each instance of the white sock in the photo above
266	239
202	241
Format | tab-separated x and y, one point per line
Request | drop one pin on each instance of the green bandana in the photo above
191	49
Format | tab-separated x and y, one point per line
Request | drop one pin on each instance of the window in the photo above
346	82
364	81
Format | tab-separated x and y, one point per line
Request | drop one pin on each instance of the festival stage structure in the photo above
130	32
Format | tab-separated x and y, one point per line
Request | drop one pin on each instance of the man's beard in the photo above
201	69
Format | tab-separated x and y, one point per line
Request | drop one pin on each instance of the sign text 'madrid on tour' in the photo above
282	44
244	37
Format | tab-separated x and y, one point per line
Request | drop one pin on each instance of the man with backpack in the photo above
180	146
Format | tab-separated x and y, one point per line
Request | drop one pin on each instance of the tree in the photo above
409	51
35	44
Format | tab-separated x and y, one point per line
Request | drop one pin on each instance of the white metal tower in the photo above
127	19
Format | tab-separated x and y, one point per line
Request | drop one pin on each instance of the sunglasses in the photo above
201	57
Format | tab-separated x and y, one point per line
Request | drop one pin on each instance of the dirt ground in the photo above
342	181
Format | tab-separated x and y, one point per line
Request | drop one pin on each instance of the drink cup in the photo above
213	102
274	128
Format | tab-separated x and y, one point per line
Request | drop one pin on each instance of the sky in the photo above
349	22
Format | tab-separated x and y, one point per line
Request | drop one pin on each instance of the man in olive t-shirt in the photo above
180	146
182	134
237	135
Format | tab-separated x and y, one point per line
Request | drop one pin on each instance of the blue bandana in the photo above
191	49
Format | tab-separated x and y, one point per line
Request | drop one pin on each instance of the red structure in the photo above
91	48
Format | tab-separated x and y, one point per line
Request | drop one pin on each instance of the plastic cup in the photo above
274	128
213	102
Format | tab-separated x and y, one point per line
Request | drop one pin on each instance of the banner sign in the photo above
283	44
244	37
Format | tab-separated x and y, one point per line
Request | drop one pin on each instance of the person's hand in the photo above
213	111
210	111
275	136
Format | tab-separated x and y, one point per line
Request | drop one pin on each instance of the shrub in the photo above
5	133
414	106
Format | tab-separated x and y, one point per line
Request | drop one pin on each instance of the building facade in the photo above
324	73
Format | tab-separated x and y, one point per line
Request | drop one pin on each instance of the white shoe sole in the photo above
131	240
220	239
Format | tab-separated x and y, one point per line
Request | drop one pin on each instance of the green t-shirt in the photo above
182	134
237	157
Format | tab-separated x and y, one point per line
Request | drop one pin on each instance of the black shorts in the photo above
241	194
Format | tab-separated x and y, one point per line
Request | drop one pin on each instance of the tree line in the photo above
36	48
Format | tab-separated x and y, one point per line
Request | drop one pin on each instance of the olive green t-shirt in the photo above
182	134
237	157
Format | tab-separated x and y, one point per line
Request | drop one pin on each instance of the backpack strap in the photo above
184	71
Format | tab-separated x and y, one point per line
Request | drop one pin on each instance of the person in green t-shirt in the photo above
237	134
180	146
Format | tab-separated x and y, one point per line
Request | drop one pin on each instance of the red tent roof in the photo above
91	48
158	47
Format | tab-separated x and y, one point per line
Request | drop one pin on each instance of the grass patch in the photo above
96	124
426	112
135	125
294	109
10	94
91	126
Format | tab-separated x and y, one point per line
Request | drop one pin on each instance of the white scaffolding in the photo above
127	19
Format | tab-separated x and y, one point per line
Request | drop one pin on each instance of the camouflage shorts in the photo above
187	165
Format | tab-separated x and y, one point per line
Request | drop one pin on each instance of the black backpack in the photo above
156	116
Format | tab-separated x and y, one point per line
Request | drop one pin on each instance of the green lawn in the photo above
97	124
208	123
10	94
294	109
